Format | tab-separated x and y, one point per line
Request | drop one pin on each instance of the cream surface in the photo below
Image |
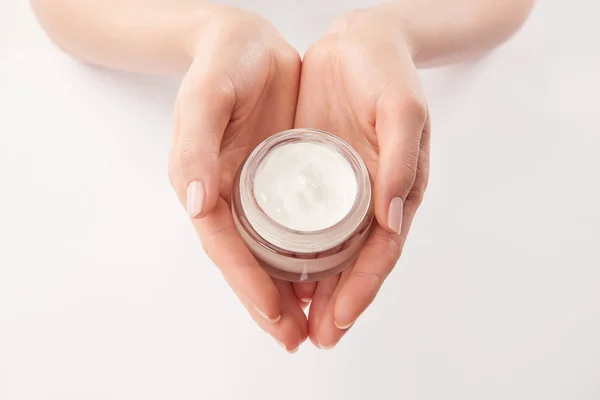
305	186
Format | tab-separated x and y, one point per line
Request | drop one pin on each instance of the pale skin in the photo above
244	82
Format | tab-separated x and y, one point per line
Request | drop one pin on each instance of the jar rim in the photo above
298	241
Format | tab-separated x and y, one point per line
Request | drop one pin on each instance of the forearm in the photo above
155	36
444	31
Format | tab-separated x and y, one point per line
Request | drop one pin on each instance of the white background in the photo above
105	292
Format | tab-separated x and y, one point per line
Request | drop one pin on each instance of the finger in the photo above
291	307
285	332
400	122
204	106
327	333
226	248
313	111
377	258
304	290
380	253
303	305
321	296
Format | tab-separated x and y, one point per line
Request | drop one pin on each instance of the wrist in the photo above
399	16
387	21
184	28
198	23
214	22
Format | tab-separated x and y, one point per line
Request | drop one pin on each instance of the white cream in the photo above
305	186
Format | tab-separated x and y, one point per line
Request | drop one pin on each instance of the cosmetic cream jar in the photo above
302	203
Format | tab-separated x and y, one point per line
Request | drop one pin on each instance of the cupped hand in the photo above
241	87
360	83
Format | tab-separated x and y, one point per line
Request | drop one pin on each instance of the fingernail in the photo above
294	351
323	347
286	349
343	327
195	198
265	316
282	345
395	214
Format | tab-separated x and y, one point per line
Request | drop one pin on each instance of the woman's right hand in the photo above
241	88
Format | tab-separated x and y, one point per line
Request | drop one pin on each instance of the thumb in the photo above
399	128
202	111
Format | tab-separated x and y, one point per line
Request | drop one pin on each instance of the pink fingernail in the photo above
282	345
286	349
395	214
343	326
265	316
323	347
195	198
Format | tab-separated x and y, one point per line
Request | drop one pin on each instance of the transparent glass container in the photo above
294	255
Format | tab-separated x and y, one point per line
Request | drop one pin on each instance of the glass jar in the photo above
294	255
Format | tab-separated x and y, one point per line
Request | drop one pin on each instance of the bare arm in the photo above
240	76
136	35
157	35
360	82
442	31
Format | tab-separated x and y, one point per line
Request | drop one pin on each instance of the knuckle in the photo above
190	156
412	105
191	85
187	154
376	279
416	195
290	57
192	148
369	280
423	169
410	168
389	243
427	128
321	52
388	249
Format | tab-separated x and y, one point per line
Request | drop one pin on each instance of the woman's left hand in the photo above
360	83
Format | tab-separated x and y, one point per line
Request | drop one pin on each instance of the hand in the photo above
241	87
360	83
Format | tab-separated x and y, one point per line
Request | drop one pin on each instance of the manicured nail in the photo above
343	327
282	345
323	347
294	351
265	316
395	214
286	349
195	198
